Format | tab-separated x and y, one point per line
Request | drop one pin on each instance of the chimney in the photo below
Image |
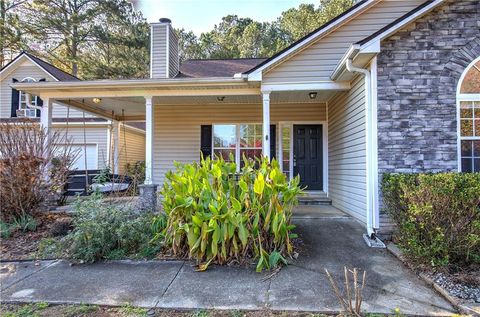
164	58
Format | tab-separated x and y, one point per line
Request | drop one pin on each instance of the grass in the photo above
46	310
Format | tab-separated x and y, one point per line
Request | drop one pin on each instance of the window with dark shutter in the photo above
206	140
15	100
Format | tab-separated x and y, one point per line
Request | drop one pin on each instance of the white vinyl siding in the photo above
173	54
131	147
317	62
347	151
177	128
159	51
24	70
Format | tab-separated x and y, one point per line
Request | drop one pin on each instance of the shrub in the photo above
33	167
437	215
107	231
215	215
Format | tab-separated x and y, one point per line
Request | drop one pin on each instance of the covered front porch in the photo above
314	131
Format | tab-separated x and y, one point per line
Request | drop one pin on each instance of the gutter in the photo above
372	175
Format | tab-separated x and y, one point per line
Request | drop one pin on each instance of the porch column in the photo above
148	191
149	122
46	119
116	146
266	125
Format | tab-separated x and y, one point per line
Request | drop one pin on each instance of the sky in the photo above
201	15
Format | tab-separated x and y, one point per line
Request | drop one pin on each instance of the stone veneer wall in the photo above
418	72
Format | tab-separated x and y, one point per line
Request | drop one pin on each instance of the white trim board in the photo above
13	65
463	97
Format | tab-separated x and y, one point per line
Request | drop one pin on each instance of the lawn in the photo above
44	310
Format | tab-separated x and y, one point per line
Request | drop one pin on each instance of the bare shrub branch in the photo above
34	167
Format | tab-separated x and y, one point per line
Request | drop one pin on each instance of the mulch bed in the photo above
24	245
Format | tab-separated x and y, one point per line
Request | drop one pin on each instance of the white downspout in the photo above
369	137
29	102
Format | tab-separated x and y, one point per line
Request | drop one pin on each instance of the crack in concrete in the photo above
169	284
27	276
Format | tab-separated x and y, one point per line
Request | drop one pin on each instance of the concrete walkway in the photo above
330	242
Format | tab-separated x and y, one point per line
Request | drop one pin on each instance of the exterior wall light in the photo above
221	98
312	95
97	100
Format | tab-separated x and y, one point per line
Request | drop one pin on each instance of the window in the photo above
233	141
469	119
22	101
286	149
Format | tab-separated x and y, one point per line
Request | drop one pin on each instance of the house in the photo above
387	86
100	142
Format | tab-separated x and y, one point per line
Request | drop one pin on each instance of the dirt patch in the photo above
24	245
44	310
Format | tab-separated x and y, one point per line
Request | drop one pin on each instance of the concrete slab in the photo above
330	243
14	272
317	212
115	283
338	242
217	288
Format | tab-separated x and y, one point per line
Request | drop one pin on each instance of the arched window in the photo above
468	113
22	101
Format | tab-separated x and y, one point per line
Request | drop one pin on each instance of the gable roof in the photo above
406	18
196	68
356	8
55	72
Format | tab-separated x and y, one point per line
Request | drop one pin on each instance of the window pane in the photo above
476	148
477	127
466	148
466	110
251	135
224	136
227	154
477	109
476	163
466	165
466	127
286	150
250	154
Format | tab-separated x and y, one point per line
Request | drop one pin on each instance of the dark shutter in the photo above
39	101
15	100
206	140
273	141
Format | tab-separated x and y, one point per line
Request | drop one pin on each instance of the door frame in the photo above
290	124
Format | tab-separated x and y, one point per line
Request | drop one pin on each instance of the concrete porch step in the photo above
314	198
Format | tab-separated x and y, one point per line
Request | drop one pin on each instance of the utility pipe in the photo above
370	153
28	101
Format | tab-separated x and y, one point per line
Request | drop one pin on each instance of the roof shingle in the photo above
195	68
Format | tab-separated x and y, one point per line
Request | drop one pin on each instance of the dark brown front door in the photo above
307	154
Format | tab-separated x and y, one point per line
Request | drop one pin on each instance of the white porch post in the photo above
116	146
46	119
266	125
149	120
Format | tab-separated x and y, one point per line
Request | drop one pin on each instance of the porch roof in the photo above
125	99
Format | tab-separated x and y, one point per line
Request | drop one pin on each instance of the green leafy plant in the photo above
217	216
25	223
437	216
108	231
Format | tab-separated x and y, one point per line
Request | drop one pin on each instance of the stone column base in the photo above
147	201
